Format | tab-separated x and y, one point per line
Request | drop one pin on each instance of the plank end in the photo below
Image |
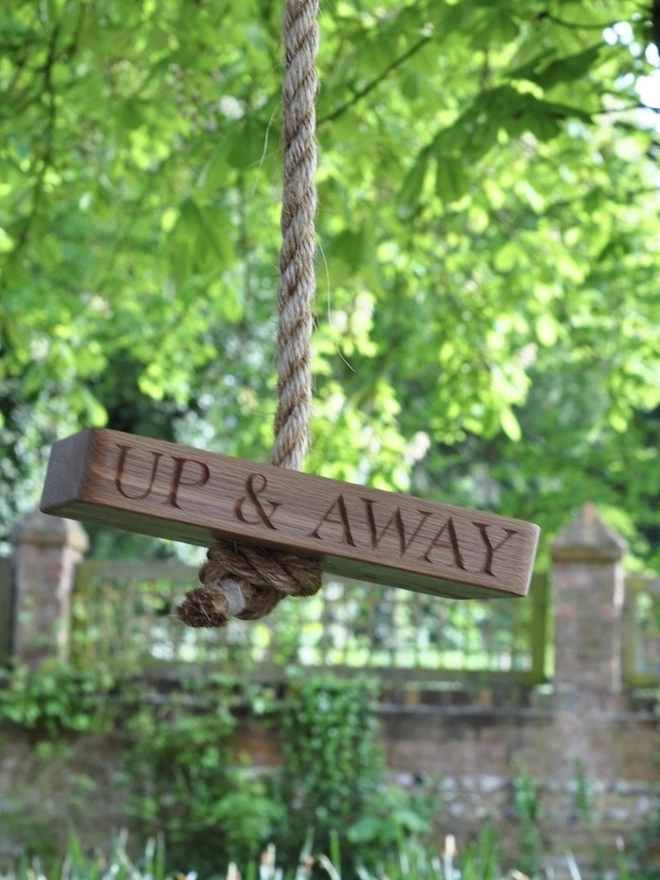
67	473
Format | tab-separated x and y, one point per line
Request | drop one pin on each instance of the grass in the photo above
413	861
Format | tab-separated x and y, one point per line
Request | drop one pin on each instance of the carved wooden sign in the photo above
170	491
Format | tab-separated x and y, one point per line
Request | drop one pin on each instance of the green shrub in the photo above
56	698
181	778
178	775
332	759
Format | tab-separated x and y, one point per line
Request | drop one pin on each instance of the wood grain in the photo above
184	494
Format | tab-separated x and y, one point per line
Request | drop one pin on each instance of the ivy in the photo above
182	778
57	699
177	772
332	758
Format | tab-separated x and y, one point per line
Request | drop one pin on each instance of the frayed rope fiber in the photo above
248	582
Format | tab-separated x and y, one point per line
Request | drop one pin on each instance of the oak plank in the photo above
184	494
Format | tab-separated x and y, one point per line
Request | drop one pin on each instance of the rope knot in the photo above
242	581
246	582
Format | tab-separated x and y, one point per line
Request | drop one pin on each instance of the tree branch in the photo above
44	160
372	84
575	25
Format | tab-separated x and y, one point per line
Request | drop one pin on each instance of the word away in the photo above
184	494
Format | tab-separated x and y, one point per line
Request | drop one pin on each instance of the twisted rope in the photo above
246	582
297	281
243	581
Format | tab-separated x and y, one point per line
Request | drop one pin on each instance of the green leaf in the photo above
413	184
546	329
217	171
365	829
568	69
510	424
131	114
227	300
451	180
507	257
248	143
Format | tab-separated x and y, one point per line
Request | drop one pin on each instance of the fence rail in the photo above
641	642
6	608
123	615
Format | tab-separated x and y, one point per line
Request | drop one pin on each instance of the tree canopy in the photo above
488	305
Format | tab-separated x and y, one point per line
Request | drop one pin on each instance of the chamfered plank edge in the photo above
67	472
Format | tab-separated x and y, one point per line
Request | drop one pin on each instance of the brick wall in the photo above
583	727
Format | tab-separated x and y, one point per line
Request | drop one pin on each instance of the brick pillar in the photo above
47	549
588	585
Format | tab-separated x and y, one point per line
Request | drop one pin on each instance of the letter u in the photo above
119	476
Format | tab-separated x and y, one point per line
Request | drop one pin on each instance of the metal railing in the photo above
123	615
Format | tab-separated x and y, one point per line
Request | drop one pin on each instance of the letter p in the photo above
179	478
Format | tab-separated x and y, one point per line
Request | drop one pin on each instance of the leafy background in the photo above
487	309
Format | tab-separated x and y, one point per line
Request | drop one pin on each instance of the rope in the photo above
297	281
246	582
241	581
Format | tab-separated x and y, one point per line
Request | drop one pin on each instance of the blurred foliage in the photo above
124	619
181	777
480	860
333	761
162	760
488	232
175	770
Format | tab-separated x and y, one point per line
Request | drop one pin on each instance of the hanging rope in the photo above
297	281
244	581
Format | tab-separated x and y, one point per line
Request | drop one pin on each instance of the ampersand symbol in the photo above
255	485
